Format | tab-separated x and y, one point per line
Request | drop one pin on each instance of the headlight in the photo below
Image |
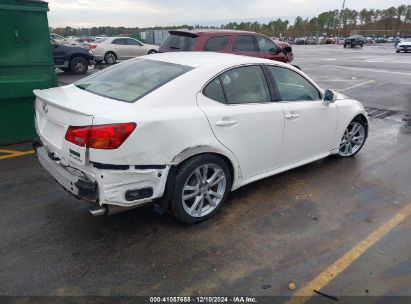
90	52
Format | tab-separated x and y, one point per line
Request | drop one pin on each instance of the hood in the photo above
282	43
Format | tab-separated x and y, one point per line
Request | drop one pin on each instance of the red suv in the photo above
227	41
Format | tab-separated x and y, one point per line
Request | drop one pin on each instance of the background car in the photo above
404	46
63	41
164	126
354	40
71	58
227	41
111	49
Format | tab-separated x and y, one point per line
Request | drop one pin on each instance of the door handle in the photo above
225	122
292	115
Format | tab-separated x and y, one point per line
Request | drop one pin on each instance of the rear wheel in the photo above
78	65
201	186
353	139
110	58
345	45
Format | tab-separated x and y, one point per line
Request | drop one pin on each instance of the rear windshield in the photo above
180	43
132	80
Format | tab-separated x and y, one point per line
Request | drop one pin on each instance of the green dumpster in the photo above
26	63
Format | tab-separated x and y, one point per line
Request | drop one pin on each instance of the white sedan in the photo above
111	49
404	46
188	128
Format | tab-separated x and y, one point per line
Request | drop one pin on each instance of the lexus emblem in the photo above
44	107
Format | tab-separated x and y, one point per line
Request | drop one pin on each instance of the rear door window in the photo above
120	41
180	42
214	90
244	43
131	81
245	84
216	44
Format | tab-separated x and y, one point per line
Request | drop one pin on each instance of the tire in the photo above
152	52
397	51
362	45
348	138
200	191
78	65
345	45
110	58
98	61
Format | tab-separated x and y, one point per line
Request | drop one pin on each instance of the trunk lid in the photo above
58	108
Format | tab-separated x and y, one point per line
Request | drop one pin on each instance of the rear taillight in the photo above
78	135
100	136
92	46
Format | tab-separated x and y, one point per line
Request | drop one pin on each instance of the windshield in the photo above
99	40
132	80
54	42
180	42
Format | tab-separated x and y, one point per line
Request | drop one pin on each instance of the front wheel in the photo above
353	139
201	186
152	52
78	65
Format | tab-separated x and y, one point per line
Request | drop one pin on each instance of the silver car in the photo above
111	49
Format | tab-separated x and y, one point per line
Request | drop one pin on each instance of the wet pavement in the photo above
289	227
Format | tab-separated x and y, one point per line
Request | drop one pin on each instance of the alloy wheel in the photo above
353	139
110	58
204	190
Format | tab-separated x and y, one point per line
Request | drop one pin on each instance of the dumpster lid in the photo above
25	5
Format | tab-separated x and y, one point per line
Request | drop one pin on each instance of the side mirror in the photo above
330	96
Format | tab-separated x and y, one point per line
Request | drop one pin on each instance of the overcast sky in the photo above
144	13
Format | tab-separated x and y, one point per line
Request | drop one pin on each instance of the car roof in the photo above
197	59
213	31
116	37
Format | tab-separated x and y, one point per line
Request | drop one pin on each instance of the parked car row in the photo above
111	49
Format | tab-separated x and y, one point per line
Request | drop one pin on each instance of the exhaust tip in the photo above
98	210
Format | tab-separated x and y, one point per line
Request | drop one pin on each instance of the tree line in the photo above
392	20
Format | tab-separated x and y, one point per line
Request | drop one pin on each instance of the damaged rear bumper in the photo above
104	185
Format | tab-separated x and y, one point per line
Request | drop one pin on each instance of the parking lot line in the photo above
13	153
370	70
330	273
356	85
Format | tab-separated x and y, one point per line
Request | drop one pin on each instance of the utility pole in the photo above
339	19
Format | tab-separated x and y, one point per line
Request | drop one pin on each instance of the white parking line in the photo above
356	86
371	70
